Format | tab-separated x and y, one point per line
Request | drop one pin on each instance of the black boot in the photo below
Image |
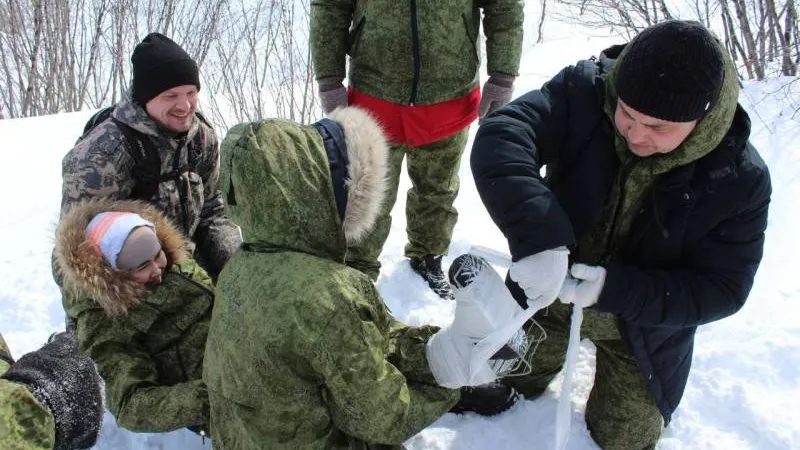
430	268
464	269
487	399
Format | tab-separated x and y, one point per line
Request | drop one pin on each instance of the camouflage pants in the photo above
430	215
621	413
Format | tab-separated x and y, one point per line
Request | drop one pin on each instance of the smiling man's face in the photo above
174	108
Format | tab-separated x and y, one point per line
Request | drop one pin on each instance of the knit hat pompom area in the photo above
124	239
160	64
671	71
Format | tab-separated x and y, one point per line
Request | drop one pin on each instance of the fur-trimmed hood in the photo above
310	188
82	268
365	182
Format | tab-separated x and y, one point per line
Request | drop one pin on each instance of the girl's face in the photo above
151	271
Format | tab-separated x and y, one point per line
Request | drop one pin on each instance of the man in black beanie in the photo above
165	82
155	147
653	196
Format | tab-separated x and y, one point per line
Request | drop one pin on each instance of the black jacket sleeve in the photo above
510	149
717	274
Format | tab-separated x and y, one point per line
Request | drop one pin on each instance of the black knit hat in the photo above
671	71
160	64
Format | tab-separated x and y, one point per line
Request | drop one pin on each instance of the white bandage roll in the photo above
449	355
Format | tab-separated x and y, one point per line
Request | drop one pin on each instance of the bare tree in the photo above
540	27
65	55
761	35
263	67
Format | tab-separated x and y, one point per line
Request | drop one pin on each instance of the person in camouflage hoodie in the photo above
414	65
51	398
159	109
148	336
302	353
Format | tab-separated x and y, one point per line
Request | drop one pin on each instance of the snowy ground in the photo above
745	383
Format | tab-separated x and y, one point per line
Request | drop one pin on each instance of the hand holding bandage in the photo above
583	286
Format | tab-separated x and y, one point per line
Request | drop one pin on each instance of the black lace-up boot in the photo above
430	268
487	399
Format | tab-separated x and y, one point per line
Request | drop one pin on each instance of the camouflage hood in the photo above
280	180
82	267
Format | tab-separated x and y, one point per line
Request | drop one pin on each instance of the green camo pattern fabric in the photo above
25	424
302	353
377	34
152	357
430	214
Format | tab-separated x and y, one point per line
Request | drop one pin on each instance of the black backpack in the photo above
146	159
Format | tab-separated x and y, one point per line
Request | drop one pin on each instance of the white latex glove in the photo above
584	286
541	275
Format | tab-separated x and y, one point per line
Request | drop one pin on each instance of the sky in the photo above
744	386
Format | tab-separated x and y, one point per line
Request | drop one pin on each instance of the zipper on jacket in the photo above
414	51
183	193
626	169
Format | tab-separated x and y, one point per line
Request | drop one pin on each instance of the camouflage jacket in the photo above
302	352
25	424
98	166
147	343
414	52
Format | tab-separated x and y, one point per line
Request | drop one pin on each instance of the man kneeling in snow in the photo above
302	352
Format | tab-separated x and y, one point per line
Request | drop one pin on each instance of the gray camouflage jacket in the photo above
99	166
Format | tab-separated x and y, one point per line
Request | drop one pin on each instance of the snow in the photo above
745	382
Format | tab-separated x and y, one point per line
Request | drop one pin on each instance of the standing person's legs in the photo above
621	412
430	215
364	256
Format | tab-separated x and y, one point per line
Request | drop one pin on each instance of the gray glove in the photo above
496	92
68	385
332	94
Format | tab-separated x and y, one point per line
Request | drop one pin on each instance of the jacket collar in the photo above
82	268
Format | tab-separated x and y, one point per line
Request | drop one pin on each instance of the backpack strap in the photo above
146	170
147	161
98	117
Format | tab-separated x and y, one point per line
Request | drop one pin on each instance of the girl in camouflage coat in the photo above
146	339
302	352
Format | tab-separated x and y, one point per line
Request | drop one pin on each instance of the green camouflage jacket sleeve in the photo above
25	424
502	25
408	351
133	394
330	23
217	237
368	396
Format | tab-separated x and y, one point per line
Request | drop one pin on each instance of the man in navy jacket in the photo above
655	197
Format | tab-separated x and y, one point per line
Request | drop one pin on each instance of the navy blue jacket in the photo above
690	256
